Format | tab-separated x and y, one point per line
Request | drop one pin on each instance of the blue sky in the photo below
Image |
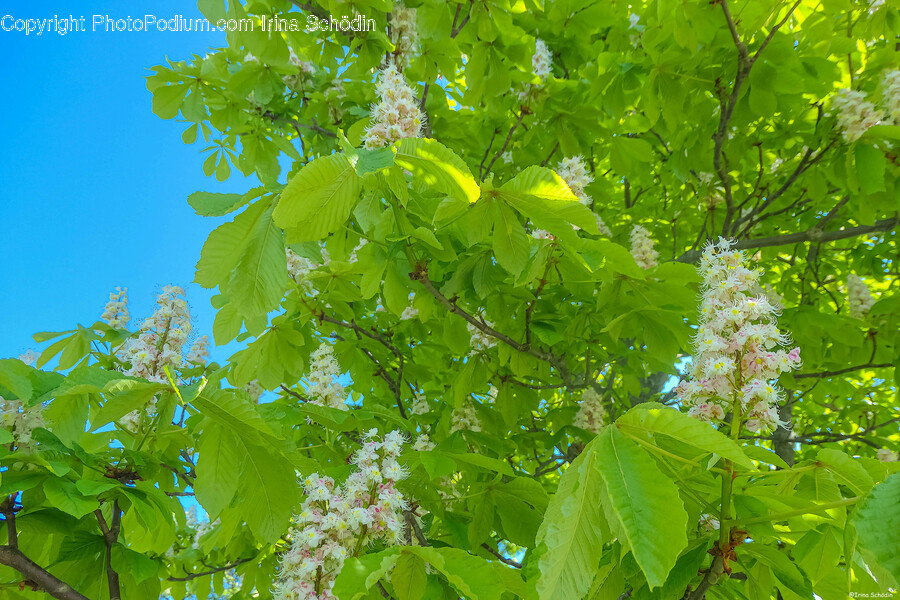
93	185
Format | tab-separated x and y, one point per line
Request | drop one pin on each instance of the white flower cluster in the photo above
859	297
465	418
410	312
404	34
299	267
542	234
299	81
479	339
336	521
591	415
116	311
419	405
737	345
890	90
575	173
885	455
29	357
199	351
397	115
254	389
423	443
20	420
324	389
541	60
161	339
855	114
645	255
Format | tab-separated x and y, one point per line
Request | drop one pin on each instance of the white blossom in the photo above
855	114
737	354
29	357
859	297
885	455
397	114
480	340
642	248
890	90
116	311
20	420
335	520
324	389
541	60
465	418
591	415
404	34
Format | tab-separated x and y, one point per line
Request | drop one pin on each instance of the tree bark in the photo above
12	557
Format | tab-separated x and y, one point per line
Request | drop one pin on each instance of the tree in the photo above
508	230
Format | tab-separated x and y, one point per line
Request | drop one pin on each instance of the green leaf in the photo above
877	521
267	488
225	246
358	575
14	376
63	494
125	560
408	577
209	204
573	531
870	167
438	167
542	196
167	99
473	577
318	200
846	471
510	240
782	567
673	423
369	161
217	474
646	503
260	277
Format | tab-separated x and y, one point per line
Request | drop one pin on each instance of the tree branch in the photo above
111	536
420	274
191	576
810	235
501	558
512	130
13	558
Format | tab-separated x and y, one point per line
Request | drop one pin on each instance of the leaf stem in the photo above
801	511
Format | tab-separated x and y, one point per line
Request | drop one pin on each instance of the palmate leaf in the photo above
210	204
510	240
225	246
541	195
573	531
877	522
318	200
267	487
683	428
260	278
646	504
473	577
438	167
